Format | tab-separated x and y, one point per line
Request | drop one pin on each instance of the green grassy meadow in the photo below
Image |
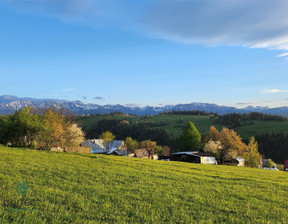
202	123
78	188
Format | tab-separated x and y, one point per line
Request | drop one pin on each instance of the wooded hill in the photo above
166	128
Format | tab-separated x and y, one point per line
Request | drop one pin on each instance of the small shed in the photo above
240	161
56	149
141	153
193	157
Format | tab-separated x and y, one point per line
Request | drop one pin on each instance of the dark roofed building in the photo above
193	157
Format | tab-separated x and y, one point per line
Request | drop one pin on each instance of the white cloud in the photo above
282	55
245	103
99	98
249	23
256	23
273	91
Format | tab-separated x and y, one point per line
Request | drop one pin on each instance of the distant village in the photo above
119	148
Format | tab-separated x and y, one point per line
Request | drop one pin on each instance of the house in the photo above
115	147
143	153
193	157
240	161
56	149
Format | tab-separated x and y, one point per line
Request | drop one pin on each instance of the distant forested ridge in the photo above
235	119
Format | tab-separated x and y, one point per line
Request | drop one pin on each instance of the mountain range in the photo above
9	104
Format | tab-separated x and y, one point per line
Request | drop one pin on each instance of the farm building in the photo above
240	161
143	153
71	149
115	147
266	166
193	157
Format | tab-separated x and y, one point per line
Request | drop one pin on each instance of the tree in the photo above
108	137
55	126
3	121
45	128
269	163
166	150
213	134
190	138
232	145
131	144
149	146
214	148
158	150
125	122
22	128
74	135
251	154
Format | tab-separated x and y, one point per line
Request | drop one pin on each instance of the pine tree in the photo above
190	138
252	155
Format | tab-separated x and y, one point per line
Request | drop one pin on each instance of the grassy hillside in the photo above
75	188
174	124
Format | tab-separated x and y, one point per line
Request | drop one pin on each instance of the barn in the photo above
193	157
115	147
143	153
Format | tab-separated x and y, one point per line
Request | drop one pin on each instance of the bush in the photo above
269	163
280	166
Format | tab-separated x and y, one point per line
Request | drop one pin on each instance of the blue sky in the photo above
146	53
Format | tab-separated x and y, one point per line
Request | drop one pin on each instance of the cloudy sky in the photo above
146	52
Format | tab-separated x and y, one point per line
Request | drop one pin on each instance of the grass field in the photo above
203	123
77	188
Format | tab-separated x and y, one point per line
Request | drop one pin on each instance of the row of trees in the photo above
39	130
225	146
231	118
147	144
